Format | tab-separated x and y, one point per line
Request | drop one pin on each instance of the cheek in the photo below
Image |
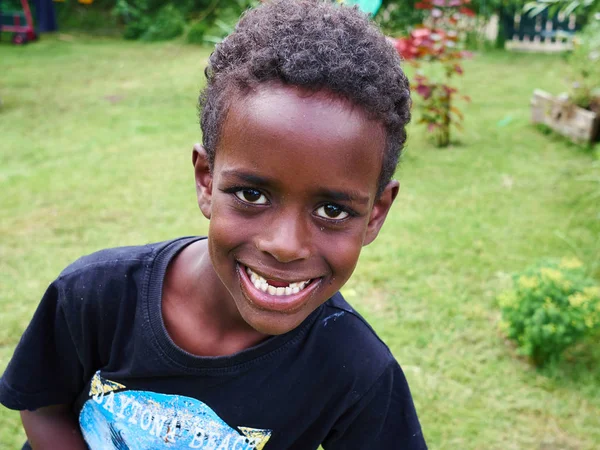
348	248
223	230
228	228
342	256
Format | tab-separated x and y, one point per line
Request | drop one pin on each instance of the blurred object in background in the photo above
16	17
45	16
18	20
367	6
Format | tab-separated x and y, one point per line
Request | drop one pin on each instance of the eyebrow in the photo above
248	177
330	194
341	196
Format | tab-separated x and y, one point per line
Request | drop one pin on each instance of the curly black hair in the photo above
315	45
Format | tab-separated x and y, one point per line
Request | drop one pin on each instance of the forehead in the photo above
322	138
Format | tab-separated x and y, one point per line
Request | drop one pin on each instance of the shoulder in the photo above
105	291
377	407
343	339
112	258
340	322
107	276
117	261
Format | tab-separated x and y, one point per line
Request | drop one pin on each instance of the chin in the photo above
272	323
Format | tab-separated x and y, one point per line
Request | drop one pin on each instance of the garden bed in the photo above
578	124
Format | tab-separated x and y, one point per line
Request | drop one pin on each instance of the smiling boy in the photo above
241	340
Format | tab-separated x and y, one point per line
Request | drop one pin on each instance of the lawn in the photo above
95	151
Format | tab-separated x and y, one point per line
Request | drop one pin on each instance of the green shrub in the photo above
135	29
208	21
93	18
223	19
134	16
551	307
398	18
196	32
167	24
151	20
584	63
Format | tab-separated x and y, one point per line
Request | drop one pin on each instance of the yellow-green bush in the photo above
551	306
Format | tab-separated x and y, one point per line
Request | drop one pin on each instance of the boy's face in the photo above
291	201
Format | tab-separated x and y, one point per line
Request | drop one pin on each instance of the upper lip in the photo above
278	276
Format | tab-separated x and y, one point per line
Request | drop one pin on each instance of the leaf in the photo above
570	8
224	26
529	6
537	10
456	111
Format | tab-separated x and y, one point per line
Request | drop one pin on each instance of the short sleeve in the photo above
384	417
45	368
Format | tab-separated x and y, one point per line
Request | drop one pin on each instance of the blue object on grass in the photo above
45	16
367	6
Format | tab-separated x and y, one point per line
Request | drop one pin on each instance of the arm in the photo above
46	370
53	427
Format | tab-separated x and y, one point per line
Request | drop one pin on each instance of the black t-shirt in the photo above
98	342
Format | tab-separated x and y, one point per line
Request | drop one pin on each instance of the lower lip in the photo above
278	303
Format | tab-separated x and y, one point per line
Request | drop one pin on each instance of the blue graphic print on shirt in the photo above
116	418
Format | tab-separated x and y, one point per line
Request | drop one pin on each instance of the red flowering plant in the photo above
439	40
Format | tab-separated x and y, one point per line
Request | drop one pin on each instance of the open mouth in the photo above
276	295
274	287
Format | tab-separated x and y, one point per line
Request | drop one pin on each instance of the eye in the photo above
332	212
251	196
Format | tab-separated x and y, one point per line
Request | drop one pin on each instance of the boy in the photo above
241	340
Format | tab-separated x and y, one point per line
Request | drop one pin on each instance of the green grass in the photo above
96	139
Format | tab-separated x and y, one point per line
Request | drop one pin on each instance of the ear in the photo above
203	179
380	211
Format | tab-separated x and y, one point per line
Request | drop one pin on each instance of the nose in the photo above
286	238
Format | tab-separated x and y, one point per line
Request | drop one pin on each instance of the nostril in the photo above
284	251
288	255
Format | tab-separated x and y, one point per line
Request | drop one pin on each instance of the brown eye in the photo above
331	211
251	196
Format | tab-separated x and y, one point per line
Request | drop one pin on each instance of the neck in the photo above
198	311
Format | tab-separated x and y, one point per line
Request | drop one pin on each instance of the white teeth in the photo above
261	284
